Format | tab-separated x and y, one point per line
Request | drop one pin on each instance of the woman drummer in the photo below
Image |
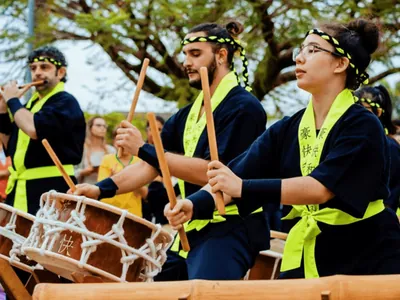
329	161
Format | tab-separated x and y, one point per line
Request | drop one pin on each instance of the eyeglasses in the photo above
308	50
101	125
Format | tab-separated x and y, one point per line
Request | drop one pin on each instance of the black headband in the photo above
362	77
55	62
236	44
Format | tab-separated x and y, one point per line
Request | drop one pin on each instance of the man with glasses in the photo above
51	114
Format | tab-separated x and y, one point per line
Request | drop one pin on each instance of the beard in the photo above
212	66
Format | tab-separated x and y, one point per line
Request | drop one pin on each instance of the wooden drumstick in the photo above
212	141
139	85
58	164
165	173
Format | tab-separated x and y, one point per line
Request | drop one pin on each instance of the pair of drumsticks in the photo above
159	147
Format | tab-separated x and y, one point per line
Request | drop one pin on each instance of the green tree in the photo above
131	30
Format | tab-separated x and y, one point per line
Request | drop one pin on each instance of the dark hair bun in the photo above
368	32
234	28
383	91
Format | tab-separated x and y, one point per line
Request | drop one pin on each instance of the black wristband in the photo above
148	153
258	192
108	188
14	105
203	205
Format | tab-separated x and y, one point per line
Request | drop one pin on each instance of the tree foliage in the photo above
131	30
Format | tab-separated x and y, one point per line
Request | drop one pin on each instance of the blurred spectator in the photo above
112	164
160	123
94	150
5	162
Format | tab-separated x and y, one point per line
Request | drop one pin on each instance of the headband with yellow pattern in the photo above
58	64
236	44
362	77
375	107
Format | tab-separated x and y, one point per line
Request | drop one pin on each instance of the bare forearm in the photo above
304	190
24	120
193	170
134	177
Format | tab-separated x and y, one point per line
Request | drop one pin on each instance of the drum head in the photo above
65	266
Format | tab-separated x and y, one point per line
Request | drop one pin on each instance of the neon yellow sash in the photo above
191	136
20	171
302	237
29	174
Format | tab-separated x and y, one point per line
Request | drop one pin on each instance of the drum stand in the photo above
41	276
12	285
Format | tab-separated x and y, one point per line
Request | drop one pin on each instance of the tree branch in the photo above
65	35
63	12
383	75
284	78
85	7
149	85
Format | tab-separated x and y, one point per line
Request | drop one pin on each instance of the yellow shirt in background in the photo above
132	201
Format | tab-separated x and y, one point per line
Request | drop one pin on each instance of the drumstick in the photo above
58	164
139	85
211	131
165	173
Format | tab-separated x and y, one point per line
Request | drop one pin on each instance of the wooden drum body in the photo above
79	235
14	229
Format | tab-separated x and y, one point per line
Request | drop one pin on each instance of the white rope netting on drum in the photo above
9	232
154	254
